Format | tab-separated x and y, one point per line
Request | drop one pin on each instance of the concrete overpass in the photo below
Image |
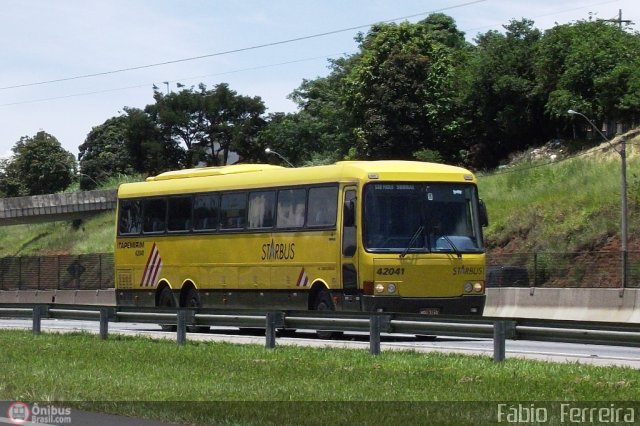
52	207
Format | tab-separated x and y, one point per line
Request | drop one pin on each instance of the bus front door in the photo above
349	251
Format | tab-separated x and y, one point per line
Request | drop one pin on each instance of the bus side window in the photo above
323	206
130	217
291	207
179	214
233	210
205	212
154	212
261	209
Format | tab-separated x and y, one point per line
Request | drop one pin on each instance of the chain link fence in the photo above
565	270
64	272
562	270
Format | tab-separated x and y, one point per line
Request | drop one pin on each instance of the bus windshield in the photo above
421	217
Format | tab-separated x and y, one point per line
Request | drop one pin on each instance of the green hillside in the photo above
563	202
94	235
548	200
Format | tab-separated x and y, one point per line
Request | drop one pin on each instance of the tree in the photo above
151	150
208	122
324	125
589	67
294	136
232	123
321	132
39	166
504	111
126	144
402	89
104	152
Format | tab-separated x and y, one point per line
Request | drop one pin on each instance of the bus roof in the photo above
247	176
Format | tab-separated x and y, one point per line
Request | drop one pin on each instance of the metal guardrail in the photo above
499	329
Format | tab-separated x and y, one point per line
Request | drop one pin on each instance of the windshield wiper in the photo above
453	246
412	240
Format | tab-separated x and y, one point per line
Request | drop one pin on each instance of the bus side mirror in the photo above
484	218
349	213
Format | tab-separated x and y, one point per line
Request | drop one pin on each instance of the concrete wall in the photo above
578	304
67	297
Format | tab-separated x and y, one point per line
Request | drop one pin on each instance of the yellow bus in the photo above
392	236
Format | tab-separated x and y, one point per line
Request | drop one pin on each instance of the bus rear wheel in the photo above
323	302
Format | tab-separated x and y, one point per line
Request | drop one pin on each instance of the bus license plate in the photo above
430	311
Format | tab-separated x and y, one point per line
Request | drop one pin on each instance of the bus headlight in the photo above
473	286
391	288
379	288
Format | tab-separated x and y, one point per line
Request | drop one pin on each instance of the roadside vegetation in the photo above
567	204
122	374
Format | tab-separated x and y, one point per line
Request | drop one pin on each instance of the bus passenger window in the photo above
261	209
154	213
291	206
130	219
323	206
179	214
205	212
233	210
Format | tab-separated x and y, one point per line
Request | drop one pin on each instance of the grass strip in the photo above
222	383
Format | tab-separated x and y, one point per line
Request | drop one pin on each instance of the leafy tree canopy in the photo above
39	166
210	123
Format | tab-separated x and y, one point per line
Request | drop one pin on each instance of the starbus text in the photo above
278	251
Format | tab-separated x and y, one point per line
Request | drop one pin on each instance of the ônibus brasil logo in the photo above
19	413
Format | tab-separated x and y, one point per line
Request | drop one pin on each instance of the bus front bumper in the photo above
463	305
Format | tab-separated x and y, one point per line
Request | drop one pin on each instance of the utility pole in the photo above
618	21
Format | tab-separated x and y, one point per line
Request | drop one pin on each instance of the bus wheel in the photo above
166	300
324	303
192	300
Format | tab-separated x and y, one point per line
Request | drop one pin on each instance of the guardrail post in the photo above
181	326
37	317
104	323
374	334
270	330
499	340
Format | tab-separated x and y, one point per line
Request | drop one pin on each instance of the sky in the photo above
69	65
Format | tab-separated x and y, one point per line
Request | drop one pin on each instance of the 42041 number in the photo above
390	271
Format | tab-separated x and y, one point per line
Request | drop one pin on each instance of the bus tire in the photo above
166	300
192	300
323	302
